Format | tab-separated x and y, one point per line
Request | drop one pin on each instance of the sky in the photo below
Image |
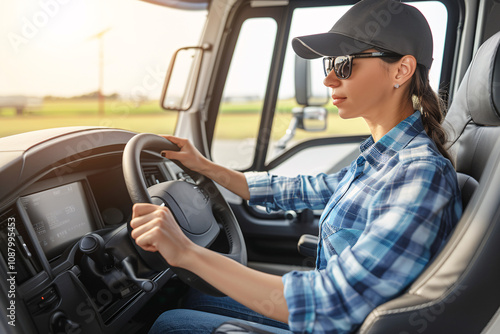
47	46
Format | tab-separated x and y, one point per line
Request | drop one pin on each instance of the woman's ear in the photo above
406	67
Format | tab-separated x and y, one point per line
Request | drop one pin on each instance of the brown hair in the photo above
430	105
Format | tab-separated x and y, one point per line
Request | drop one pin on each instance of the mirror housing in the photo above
311	118
304	93
306	118
182	78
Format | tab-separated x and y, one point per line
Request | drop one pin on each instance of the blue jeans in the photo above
202	313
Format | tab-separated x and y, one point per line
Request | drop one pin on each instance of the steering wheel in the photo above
199	208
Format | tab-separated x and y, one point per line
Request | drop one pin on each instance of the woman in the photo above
385	216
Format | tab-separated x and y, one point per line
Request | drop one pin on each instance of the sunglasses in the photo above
342	65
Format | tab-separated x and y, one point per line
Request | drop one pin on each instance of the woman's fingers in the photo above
176	140
154	228
180	142
174	155
151	237
144	224
146	216
188	155
147	242
141	209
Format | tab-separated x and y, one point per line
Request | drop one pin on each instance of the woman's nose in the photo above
331	80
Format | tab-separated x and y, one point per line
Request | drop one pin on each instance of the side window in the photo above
284	133
243	97
307	21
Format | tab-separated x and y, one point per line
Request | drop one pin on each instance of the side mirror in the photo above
305	118
311	118
309	89
311	95
182	77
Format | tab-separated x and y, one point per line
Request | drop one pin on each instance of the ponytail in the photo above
431	107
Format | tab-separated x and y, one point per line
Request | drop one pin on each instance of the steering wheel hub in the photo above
191	210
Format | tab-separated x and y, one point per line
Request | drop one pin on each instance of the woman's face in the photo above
367	92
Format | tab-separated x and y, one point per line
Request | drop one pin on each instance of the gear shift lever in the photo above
145	285
92	245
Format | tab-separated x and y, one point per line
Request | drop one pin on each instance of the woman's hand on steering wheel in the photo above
191	158
155	229
188	155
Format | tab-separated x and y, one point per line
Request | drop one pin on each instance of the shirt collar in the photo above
377	154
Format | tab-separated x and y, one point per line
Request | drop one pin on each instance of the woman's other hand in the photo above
191	158
188	155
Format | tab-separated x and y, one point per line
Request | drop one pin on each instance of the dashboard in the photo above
62	190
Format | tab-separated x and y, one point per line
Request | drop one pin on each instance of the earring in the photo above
396	86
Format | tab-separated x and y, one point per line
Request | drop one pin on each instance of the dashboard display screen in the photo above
59	216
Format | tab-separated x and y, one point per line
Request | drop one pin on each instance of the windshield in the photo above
89	63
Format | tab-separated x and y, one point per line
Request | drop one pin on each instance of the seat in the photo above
459	292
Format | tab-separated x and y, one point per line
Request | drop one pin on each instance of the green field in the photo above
237	120
146	117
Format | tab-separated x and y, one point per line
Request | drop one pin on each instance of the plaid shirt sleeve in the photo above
405	225
285	193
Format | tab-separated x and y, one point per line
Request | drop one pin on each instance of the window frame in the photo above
233	27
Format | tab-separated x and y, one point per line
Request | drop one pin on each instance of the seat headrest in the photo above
478	97
482	84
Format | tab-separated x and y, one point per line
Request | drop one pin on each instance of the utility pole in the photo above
100	95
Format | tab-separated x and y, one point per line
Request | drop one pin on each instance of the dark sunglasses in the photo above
342	65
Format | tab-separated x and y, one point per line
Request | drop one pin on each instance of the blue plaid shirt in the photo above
385	216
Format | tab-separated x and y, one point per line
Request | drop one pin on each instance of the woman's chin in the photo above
344	114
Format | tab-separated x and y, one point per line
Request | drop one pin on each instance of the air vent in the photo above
152	175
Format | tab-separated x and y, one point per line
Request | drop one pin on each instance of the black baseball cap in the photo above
386	24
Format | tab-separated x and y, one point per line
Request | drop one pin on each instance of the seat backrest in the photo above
473	119
459	292
468	186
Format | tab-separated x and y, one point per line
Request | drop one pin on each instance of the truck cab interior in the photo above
69	265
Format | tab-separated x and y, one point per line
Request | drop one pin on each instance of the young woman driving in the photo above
385	216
